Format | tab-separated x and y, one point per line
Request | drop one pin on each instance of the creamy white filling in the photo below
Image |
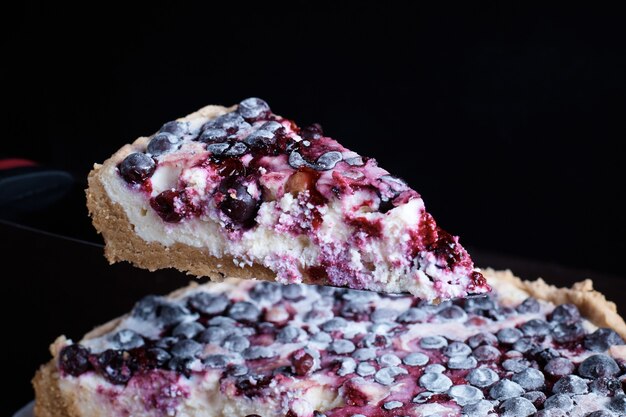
266	244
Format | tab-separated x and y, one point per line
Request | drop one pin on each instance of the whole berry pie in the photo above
245	348
243	192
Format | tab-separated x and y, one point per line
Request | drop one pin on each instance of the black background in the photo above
508	120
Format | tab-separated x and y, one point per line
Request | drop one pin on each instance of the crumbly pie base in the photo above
338	231
51	402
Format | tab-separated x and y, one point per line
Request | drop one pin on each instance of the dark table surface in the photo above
55	285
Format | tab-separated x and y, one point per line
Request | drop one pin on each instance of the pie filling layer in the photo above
254	186
249	348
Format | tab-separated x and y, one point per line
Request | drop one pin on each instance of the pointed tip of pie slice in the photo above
245	193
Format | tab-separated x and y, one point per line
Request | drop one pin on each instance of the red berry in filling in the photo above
231	167
353	395
168	205
302	363
237	204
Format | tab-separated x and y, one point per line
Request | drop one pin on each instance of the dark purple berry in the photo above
268	292
162	143
529	379
486	353
181	364
600	413
237	204
176	128
136	168
535	397
483	338
186	348
559	367
479	304
212	135
567	333
570	384
244	311
312	132
559	401
159	356
327	161
127	339
565	313
517	407
167	205
217	149
236	149
529	305
253	109
113	365
188	330
606	386
210	304
170	314
618	404
232	123
544	356
596	366
602	339
74	360
535	327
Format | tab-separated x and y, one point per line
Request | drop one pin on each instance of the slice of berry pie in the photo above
254	348
243	192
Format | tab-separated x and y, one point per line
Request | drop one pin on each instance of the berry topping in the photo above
565	313
312	132
253	109
505	389
74	360
559	367
244	311
618	404
596	366
529	379
529	305
570	384
136	168
433	342
127	339
212	135
113	365
465	394
176	128
253	340
517	407
602	339
435	382
483	377
210	304
163	143
560	401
